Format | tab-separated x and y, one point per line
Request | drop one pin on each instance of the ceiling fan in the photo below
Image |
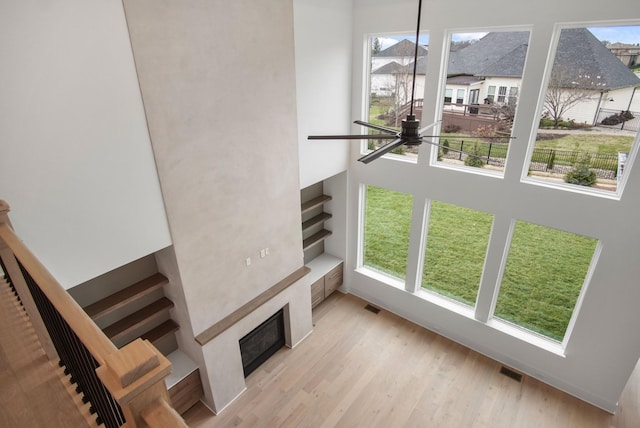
410	133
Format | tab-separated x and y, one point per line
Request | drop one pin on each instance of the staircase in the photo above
141	310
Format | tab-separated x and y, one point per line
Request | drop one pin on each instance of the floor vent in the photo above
372	309
510	373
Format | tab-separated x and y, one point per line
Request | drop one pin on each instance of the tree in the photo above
581	173
376	47
566	89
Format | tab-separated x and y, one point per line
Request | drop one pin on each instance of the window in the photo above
390	84
513	95
477	63
386	231
456	244
448	94
502	92
590	114
491	93
543	277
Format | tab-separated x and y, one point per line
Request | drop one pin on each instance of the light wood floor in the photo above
31	392
359	369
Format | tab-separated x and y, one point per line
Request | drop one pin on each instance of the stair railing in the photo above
123	386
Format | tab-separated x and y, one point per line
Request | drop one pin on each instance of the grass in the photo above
386	231
543	275
597	143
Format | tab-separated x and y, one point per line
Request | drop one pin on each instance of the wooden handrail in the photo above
89	333
134	375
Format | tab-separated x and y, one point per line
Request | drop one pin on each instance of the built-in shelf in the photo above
314	203
315	220
315	238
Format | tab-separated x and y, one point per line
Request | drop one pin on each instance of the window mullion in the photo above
493	267
415	257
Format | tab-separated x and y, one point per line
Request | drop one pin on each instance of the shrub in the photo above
552	160
581	174
451	129
475	161
445	147
616	119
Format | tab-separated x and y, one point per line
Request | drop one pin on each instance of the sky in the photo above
622	34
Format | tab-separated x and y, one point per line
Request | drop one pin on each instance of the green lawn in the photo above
591	143
543	275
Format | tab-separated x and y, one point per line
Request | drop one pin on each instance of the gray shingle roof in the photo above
498	52
403	48
395	68
502	54
590	63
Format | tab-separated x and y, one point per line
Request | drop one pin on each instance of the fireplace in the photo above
262	342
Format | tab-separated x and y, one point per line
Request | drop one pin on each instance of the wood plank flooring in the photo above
359	369
31	392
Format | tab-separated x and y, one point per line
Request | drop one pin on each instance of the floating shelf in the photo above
315	220
315	238
315	202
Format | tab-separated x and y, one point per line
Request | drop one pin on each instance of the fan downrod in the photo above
410	131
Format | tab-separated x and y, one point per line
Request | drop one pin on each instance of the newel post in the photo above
134	375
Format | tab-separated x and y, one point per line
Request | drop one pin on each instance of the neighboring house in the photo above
627	53
490	71
391	70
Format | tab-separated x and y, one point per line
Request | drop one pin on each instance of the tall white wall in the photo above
218	83
76	163
323	85
603	347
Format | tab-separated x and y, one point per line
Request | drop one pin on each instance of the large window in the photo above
486	65
456	244
386	231
590	114
508	253
543	277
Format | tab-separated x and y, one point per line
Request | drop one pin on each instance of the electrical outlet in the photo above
248	261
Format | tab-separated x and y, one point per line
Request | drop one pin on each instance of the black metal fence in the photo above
544	160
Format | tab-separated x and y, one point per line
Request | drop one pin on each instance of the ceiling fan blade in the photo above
437	122
377	127
381	151
353	137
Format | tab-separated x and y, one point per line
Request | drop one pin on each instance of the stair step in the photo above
125	296
137	319
160	332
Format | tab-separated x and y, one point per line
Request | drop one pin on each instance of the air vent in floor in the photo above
510	373
372	309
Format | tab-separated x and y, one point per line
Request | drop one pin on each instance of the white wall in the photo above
220	102
323	83
603	346
76	164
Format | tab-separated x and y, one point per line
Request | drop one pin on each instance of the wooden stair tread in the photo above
161	331
315	202
315	220
136	319
125	296
315	238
